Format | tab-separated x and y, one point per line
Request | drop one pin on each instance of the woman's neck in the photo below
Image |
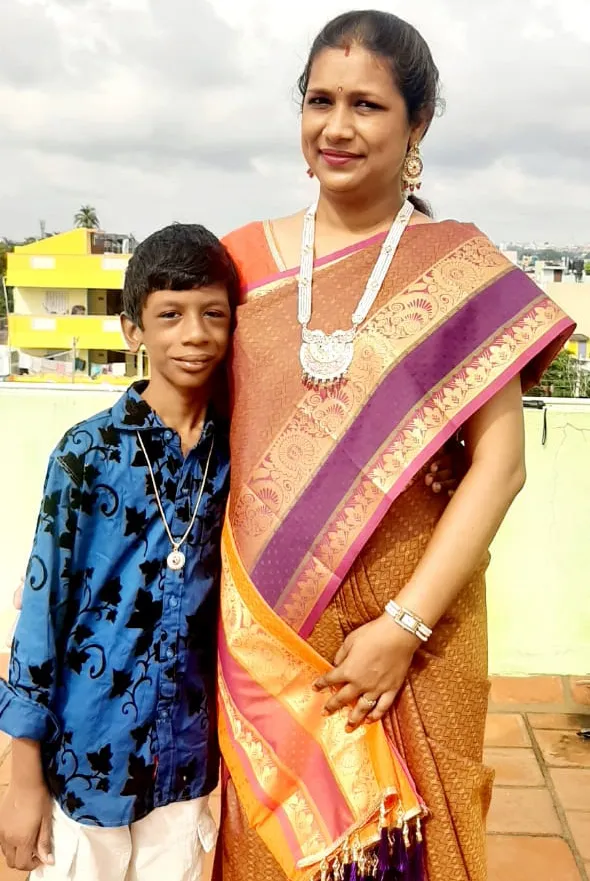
359	216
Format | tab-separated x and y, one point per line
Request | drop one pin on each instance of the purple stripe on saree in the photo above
401	391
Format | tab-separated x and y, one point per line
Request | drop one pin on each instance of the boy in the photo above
111	694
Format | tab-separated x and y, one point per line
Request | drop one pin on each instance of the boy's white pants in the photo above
167	845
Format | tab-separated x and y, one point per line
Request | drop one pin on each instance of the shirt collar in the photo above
132	413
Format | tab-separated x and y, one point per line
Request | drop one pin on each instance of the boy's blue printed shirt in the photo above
113	660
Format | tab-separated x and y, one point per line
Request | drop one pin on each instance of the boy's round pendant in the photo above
176	560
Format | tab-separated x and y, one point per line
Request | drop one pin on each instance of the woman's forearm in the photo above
461	538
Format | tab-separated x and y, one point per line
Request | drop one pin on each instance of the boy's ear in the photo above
132	333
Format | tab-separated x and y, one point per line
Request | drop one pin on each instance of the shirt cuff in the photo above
23	717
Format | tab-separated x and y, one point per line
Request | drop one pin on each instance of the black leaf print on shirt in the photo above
73	803
110	436
140	735
100	761
80	500
74	465
150	570
110	592
155	448
103	785
81	634
145	617
111	616
135	521
173	465
75	659
170	488
91	474
136	412
66	538
50	505
115	456
141	777
147	613
42	676
121	682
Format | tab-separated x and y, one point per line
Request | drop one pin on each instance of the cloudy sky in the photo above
161	110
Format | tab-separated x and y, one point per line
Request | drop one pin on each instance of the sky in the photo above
156	111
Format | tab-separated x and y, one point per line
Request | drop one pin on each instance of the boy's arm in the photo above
26	699
26	809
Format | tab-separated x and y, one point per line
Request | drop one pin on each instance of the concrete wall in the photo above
538	580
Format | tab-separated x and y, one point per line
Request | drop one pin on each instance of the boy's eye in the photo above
215	313
169	314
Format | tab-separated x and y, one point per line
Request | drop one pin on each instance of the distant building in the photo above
67	300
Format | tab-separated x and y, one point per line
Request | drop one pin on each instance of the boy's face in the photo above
186	334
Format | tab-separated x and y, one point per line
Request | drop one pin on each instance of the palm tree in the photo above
87	218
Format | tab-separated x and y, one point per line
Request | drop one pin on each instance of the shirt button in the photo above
170	654
164	714
167	435
173	602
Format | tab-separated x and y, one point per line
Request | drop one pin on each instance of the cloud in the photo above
186	109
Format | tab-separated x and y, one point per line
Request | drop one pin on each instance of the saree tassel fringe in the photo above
398	856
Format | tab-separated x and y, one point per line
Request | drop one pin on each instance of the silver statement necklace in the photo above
176	559
325	357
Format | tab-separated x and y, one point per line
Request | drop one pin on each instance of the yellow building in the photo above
67	300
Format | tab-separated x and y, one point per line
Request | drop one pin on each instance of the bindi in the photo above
346	51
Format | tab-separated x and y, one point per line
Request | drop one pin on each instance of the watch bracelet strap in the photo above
408	621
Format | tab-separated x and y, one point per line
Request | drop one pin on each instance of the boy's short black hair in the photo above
177	258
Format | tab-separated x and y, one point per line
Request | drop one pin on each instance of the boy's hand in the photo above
25	827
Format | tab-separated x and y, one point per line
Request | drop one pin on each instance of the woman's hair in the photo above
413	69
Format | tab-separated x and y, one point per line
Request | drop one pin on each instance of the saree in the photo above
327	519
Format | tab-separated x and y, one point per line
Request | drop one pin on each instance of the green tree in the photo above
5	248
564	378
87	218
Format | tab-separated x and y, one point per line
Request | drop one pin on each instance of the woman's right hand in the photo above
25	827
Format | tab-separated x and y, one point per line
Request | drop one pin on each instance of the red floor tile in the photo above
579	823
573	788
564	749
514	767
526	858
515	810
506	729
559	721
580	690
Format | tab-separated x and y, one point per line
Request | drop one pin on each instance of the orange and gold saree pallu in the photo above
313	473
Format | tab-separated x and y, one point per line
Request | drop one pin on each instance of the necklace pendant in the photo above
326	357
176	560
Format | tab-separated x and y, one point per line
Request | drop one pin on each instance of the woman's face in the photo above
355	131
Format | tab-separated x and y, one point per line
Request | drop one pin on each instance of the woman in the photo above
343	725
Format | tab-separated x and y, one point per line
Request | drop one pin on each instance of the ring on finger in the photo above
370	703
